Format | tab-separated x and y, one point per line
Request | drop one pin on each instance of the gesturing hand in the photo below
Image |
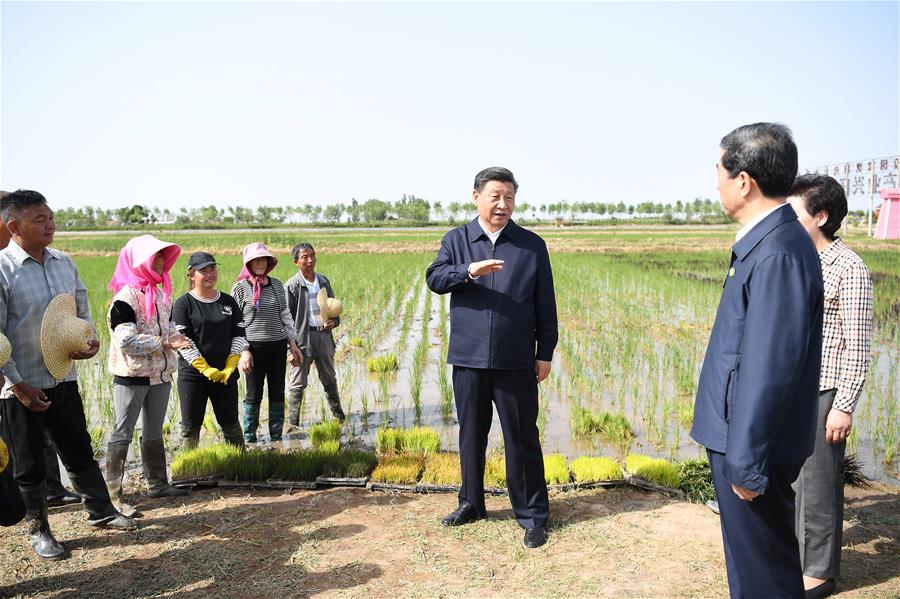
485	267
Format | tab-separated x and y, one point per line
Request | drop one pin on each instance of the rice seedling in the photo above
203	461
385	363
851	472
97	436
614	427
696	480
350	463
442	469
589	469
330	446
420	439
495	471
387	440
356	342
555	470
400	469
328	431
654	470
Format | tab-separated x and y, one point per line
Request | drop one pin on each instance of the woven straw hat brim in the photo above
329	307
62	333
5	350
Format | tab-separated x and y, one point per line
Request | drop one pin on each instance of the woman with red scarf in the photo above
142	361
271	335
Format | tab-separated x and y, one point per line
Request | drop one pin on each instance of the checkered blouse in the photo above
847	332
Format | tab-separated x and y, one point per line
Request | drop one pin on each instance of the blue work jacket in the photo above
759	386
504	320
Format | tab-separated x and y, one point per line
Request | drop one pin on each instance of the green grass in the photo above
696	480
589	469
654	470
442	469
418	439
555	470
400	469
386	363
328	431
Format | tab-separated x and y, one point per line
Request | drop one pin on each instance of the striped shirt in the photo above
272	321
313	287
26	287
847	329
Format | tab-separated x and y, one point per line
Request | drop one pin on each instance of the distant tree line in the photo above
409	210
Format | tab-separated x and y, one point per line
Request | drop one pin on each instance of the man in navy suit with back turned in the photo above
756	401
503	331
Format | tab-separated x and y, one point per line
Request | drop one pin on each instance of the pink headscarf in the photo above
251	252
135	268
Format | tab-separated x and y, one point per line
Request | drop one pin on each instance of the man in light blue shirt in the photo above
32	401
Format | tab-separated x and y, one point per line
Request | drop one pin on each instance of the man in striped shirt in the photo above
821	205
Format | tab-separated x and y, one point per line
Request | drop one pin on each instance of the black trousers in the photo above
516	395
65	422
761	552
269	366
193	393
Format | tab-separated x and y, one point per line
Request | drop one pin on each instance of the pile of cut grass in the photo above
418	439
258	465
589	469
442	469
655	470
555	470
326	432
399	469
385	363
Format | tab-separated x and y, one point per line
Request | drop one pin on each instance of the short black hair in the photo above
13	204
495	173
766	152
295	251
821	192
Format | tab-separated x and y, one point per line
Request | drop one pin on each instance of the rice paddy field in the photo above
635	309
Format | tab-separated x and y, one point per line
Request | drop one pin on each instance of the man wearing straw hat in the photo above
503	334
316	312
44	313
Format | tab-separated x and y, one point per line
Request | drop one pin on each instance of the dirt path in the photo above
351	542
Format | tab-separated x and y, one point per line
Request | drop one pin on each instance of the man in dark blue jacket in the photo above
503	331
756	401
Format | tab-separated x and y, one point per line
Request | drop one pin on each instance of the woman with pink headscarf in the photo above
271	336
142	361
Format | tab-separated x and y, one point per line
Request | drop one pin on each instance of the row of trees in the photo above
408	210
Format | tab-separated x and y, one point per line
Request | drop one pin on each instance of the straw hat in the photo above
329	307
62	333
5	350
4	455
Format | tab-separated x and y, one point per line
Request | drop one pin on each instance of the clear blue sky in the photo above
178	104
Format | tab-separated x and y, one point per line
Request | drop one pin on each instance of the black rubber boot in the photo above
276	420
116	455
294	403
101	513
190	437
153	455
57	493
251	422
39	536
334	402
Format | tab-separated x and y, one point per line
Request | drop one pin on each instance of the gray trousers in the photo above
132	400
820	502
321	351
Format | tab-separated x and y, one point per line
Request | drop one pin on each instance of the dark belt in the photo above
319	329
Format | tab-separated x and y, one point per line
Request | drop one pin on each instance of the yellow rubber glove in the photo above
206	370
231	363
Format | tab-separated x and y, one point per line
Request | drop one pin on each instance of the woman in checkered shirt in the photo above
821	205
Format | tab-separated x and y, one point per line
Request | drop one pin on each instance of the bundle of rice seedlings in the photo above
204	461
350	463
252	465
654	470
589	469
356	342
851	472
420	439
400	469
325	432
696	480
612	426
442	469
385	363
387	440
330	446
495	471
555	470
303	465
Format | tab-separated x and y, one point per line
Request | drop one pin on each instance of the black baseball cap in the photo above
200	260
